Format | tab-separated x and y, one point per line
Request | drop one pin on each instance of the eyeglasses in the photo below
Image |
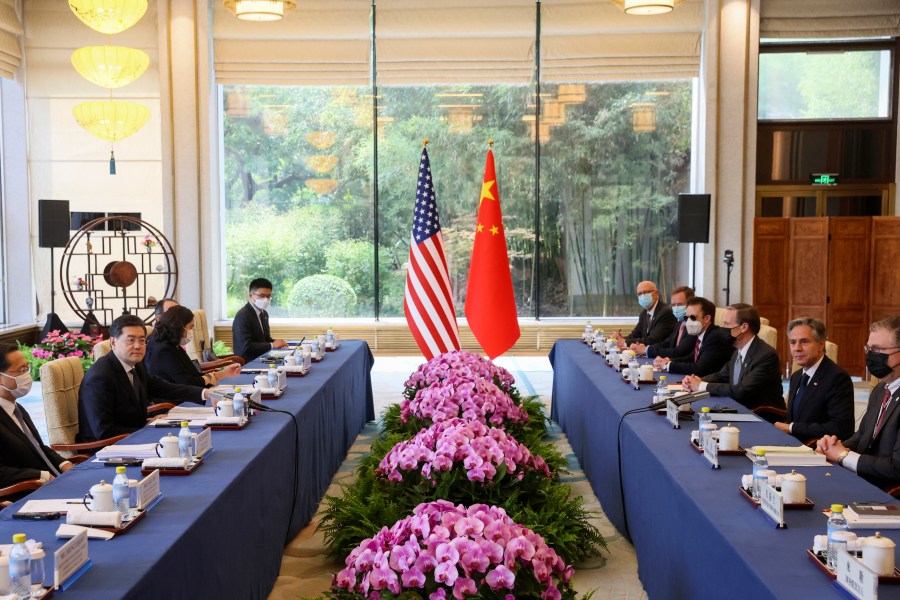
878	350
258	295
693	317
18	372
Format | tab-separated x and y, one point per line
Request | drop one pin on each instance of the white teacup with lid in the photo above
729	437
793	488
878	553
167	447
101	497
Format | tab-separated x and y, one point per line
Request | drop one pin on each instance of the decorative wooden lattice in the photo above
117	265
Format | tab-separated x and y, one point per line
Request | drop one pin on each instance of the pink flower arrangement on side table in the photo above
445	551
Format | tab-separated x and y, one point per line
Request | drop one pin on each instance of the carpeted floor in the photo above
306	571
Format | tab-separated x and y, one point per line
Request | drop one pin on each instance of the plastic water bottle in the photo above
20	567
588	331
329	338
185	441
121	492
662	389
706	419
759	479
837	522
272	374
634	373
238	403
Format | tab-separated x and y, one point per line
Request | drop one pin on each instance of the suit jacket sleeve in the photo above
885	468
173	364
161	390
758	383
96	402
635	335
54	457
10	475
839	408
247	343
716	349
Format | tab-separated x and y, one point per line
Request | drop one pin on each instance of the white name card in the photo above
282	380
855	577
202	442
70	558
711	450
148	489
771	501
672	414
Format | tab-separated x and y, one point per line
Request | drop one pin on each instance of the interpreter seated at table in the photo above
752	375
820	395
712	344
250	329
23	455
679	341
166	357
655	322
874	450
117	389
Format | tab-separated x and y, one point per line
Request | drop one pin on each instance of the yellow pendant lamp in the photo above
260	10
110	66
647	7
109	16
111	121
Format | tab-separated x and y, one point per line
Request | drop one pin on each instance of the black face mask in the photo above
876	363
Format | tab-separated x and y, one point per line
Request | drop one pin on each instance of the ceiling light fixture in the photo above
647	7
260	10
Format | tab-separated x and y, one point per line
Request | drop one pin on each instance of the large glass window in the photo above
830	82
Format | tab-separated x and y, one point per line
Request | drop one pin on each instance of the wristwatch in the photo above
842	456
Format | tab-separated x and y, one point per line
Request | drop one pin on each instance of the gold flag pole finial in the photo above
490	142
425	143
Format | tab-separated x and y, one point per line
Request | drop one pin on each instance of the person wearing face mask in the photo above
166	357
250	329
161	307
874	450
656	321
752	375
820	395
712	345
23	455
679	342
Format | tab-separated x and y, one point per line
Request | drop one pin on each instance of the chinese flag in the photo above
490	303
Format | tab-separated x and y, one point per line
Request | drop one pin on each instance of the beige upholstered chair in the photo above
720	314
769	335
763	321
101	349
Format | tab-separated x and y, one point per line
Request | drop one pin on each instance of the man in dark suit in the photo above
712	344
23	455
874	450
250	328
679	341
117	389
656	321
752	376
820	396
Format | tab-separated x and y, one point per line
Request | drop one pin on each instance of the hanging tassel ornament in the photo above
112	162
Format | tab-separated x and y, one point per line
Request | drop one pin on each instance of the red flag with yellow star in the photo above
490	302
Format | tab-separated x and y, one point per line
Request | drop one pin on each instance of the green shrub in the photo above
322	296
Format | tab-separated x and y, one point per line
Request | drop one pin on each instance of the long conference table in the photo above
220	532
694	534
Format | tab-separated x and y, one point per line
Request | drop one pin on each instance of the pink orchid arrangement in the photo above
57	345
459	363
481	451
444	551
471	399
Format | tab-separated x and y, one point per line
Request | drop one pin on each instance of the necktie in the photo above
881	414
264	320
680	333
736	374
804	381
696	349
34	443
136	384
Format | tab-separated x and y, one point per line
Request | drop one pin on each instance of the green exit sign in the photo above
824	178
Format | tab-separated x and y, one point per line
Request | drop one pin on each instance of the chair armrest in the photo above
893	490
234	358
770	413
88	445
160	407
215	365
23	486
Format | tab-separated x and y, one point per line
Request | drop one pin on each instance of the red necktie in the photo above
680	332
884	403
696	349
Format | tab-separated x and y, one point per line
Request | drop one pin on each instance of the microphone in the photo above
680	400
260	407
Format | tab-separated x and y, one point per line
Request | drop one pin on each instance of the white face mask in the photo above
262	303
693	327
23	385
187	339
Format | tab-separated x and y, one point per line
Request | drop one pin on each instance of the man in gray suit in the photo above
874	450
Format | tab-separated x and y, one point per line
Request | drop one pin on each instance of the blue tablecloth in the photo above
694	534
220	532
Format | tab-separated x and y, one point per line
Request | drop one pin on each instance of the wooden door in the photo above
884	282
848	282
770	273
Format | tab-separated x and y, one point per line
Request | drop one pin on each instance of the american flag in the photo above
428	303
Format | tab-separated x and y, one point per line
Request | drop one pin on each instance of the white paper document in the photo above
69	531
733	417
52	505
127	451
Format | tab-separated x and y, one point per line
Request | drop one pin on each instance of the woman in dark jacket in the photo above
166	357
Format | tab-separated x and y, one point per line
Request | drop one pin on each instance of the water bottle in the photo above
836	523
272	374
634	372
759	479
588	330
706	419
121	493
329	338
20	567
238	402
662	389
185	441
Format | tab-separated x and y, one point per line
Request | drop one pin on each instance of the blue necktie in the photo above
736	375
804	381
